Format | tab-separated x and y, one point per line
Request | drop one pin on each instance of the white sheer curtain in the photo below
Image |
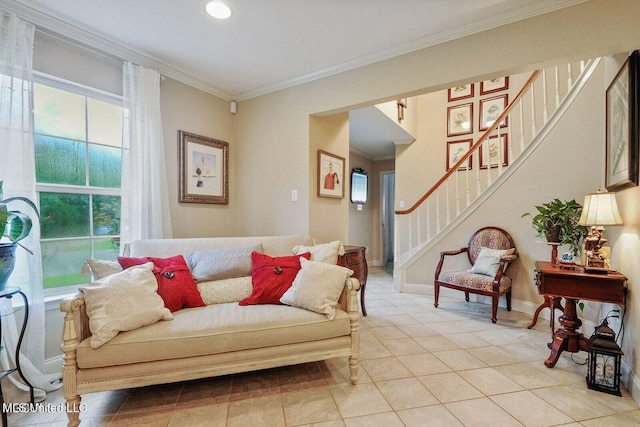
145	203
17	170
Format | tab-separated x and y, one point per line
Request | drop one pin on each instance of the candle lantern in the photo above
604	360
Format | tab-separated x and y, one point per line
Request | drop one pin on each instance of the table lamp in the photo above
599	209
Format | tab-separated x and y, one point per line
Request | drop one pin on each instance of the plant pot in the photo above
553	234
7	262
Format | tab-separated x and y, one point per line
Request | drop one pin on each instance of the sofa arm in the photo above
349	299
76	321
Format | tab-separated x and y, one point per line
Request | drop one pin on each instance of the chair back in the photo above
490	237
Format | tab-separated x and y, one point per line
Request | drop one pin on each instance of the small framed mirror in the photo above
359	186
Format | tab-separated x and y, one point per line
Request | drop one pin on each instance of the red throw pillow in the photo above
176	286
272	277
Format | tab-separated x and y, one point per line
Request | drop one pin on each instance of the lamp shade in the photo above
600	209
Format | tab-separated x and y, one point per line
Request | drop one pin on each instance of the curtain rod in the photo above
79	45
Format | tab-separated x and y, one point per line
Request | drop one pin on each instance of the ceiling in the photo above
268	45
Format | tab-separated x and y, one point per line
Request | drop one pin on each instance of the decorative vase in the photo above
553	233
7	262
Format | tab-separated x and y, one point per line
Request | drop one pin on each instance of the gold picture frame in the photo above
203	169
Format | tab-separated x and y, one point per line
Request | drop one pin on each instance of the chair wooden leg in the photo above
466	296
508	296
494	308
436	294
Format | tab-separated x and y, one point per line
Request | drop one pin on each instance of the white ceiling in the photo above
269	45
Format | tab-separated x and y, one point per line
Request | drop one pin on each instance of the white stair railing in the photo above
494	156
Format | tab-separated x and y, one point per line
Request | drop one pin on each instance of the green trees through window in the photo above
78	151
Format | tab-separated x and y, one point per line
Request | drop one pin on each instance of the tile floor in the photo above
419	367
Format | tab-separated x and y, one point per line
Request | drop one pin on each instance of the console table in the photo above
574	285
355	259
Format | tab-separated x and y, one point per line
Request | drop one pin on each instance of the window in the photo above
78	155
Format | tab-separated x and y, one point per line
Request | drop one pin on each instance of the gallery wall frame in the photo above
490	110
622	122
455	151
330	177
461	92
460	119
494	149
494	85
203	169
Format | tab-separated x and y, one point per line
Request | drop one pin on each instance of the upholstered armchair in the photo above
490	251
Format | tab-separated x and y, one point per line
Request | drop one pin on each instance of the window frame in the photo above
87	92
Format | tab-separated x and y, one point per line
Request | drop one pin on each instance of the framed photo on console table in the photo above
622	121
203	169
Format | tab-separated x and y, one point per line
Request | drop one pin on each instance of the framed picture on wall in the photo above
203	169
490	110
493	151
460	119
622	121
461	92
455	151
494	85
330	175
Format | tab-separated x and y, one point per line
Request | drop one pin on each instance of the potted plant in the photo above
557	220
15	226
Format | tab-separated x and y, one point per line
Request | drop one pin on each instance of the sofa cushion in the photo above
271	277
317	287
121	302
215	329
322	252
175	283
225	290
221	264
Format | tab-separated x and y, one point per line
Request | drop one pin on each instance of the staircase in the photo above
504	147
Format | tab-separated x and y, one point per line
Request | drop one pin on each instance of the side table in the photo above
9	292
355	259
574	285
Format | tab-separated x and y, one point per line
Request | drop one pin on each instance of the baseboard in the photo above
54	365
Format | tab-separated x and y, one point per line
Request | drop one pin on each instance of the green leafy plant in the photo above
15	225
557	220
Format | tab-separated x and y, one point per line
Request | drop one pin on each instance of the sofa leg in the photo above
73	411
436	295
353	368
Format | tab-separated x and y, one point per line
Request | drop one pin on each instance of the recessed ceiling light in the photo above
218	9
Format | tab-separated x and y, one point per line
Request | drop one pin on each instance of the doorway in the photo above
387	216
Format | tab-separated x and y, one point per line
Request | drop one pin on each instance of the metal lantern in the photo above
604	361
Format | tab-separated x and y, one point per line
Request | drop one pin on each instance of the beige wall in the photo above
361	221
186	108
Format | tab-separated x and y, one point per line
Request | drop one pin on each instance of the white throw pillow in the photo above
122	302
225	290
323	252
317	287
101	268
488	260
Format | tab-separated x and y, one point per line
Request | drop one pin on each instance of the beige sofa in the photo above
213	340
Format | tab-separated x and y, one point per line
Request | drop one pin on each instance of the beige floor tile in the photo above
467	340
388	419
579	404
489	381
450	387
264	411
417	330
213	415
423	364
624	419
433	416
386	368
480	413
529	376
388	333
459	360
363	399
403	347
436	343
406	393
530	410
309	406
